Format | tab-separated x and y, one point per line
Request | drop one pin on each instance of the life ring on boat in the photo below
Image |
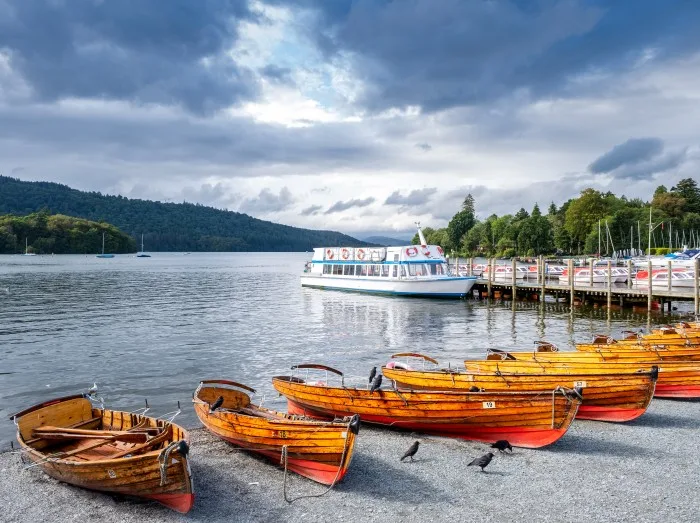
329	254
398	365
345	253
360	254
439	249
425	250
411	251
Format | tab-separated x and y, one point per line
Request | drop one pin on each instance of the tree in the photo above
689	191
670	203
462	221
582	213
552	209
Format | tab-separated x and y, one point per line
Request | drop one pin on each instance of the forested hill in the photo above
166	226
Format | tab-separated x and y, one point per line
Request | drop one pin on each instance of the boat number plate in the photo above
581	384
489	404
282	433
111	473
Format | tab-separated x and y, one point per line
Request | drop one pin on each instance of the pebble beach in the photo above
645	470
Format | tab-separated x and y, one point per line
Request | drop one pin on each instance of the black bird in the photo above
219	401
183	448
502	445
474	389
376	384
411	451
483	461
372	374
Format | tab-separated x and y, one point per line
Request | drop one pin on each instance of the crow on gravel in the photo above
411	451
483	461
372	374
376	384
219	401
502	445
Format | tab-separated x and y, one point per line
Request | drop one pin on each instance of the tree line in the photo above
166	226
42	233
579	226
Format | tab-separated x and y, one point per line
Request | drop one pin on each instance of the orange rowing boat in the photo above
616	396
526	419
321	451
108	450
677	379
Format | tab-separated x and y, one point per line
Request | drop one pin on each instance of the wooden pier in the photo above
629	293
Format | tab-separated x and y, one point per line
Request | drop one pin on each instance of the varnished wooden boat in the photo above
321	451
108	450
526	419
666	338
616	396
677	379
614	351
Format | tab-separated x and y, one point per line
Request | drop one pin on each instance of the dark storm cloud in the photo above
632	151
443	54
647	170
144	51
341	206
267	202
416	197
313	210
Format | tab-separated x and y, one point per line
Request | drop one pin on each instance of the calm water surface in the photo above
153	327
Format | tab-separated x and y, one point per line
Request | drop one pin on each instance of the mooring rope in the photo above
163	459
284	459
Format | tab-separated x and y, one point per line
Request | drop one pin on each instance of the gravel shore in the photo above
646	470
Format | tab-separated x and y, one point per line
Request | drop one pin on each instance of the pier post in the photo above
544	277
629	274
697	287
609	284
489	266
571	283
668	275
590	273
649	290
515	274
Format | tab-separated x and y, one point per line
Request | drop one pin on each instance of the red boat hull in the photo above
677	391
517	436
320	472
178	502
608	413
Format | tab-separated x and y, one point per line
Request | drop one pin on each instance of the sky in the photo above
361	116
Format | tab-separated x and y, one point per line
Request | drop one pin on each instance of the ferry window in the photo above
361	270
377	270
405	270
433	269
337	269
385	271
411	270
348	270
396	258
395	272
327	268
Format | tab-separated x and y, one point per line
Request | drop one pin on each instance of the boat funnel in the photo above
420	235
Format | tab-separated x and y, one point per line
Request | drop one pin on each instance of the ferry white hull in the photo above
454	287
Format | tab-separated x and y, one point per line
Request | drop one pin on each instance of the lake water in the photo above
153	327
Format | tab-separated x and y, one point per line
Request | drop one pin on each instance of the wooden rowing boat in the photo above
613	351
677	379
526	419
321	451
668	338
108	450
618	396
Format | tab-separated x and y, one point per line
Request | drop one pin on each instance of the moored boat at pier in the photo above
319	450
413	270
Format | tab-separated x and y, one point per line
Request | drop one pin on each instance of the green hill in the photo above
59	234
166	226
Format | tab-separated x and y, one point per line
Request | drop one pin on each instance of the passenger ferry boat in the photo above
412	270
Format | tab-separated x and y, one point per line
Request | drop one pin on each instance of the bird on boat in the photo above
411	451
473	388
219	401
376	384
483	461
372	374
183	448
92	390
502	445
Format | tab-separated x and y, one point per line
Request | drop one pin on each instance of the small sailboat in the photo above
103	255
26	248
142	254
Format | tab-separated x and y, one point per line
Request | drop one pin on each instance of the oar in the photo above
80	432
128	438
